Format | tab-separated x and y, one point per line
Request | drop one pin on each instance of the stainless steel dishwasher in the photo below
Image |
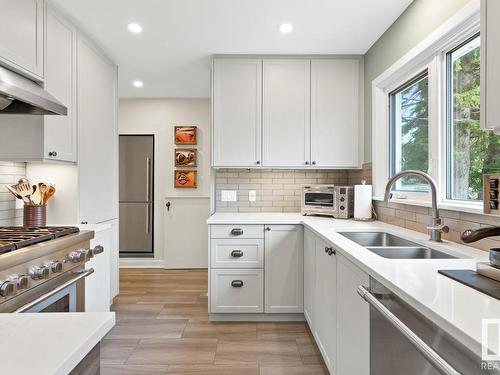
403	341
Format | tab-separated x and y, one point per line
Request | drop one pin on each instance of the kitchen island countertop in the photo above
50	343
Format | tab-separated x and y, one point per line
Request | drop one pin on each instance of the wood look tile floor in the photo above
162	328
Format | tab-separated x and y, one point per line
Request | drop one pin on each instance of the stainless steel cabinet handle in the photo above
236	231
236	253
148	179
434	358
237	283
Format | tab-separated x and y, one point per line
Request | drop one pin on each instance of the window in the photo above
409	131
471	151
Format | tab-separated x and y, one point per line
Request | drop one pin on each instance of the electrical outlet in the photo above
19	204
252	195
229	196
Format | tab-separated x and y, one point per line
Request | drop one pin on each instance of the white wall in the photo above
158	117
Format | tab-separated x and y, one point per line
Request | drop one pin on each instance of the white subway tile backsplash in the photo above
10	173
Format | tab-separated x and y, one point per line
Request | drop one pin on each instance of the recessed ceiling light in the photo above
134	28
138	84
286	28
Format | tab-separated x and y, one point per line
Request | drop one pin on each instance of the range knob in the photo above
55	266
40	272
23	282
8	288
97	250
75	256
85	254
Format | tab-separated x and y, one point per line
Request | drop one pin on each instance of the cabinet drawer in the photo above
237	291
237	253
237	231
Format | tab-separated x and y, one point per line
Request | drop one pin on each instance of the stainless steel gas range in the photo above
42	269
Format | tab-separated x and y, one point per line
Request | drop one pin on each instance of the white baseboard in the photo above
236	317
141	263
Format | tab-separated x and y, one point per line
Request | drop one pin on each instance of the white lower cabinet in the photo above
353	321
97	296
284	267
325	303
309	276
236	291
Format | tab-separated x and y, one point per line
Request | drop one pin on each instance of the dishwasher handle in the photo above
434	358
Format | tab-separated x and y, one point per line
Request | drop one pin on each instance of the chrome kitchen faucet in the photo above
436	227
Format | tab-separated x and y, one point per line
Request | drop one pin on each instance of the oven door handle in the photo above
81	275
434	358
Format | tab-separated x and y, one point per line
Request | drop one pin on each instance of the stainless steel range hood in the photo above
19	95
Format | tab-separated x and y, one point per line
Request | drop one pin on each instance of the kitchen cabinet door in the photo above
325	304
335	120
309	276
286	113
60	81
284	267
353	320
21	36
237	101
97	296
97	135
490	61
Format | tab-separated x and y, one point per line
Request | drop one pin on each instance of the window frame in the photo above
429	54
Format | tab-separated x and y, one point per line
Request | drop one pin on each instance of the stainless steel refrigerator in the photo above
136	195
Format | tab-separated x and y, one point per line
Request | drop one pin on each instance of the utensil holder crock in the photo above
35	216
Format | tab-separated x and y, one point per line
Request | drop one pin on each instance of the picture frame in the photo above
185	157
186	135
185	179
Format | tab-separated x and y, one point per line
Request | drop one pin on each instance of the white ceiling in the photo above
172	55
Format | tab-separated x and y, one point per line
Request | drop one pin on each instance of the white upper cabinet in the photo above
286	113
335	120
21	36
289	113
97	135
237	102
284	266
60	81
490	61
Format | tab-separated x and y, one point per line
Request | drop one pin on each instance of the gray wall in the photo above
420	19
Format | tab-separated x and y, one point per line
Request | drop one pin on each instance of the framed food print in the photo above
185	157
185	135
185	179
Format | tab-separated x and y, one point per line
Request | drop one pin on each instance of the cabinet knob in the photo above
168	206
84	222
306	163
257	162
268	229
52	153
313	163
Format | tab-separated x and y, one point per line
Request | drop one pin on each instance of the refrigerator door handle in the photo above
148	179
148	219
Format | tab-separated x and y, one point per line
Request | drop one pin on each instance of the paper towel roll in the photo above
362	202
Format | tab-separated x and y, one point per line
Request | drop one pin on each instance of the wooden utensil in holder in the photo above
35	216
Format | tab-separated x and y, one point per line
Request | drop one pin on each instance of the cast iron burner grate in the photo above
13	238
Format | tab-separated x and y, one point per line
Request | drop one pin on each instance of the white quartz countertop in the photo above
49	343
453	306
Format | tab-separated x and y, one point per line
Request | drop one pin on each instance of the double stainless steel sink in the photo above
388	245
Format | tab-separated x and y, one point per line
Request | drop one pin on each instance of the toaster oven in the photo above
328	200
